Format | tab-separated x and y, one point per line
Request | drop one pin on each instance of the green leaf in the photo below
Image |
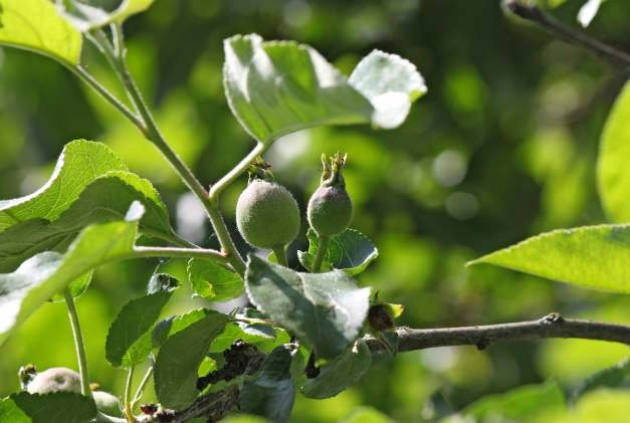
106	199
612	377
271	393
42	276
99	13
350	251
340	373
10	412
213	281
391	83
35	25
174	324
179	358
79	164
613	172
590	256
519	404
57	407
278	87
324	310
129	339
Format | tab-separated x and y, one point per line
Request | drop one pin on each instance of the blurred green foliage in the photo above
502	147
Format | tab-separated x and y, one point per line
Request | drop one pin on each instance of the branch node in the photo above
552	319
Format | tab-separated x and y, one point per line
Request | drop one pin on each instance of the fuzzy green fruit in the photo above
107	403
55	379
267	215
329	209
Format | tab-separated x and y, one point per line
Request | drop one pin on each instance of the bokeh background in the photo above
503	146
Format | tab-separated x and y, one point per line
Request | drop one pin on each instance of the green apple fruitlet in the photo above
55	379
107	403
267	215
329	209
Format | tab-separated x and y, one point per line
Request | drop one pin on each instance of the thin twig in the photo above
534	14
78	342
127	400
550	326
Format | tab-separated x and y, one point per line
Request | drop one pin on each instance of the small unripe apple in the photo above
267	215
55	379
329	209
107	403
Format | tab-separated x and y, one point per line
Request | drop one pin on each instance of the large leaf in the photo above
213	281
340	373
179	358
35	25
613	172
129	339
590	256
106	199
271	393
57	407
99	13
391	83
324	310
42	276
275	88
278	87
79	164
350	251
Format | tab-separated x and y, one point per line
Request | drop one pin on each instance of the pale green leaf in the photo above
613	172
39	278
105	199
590	256
35	25
179	358
391	83
340	373
270	393
56	407
278	87
129	339
79	164
213	281
324	310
